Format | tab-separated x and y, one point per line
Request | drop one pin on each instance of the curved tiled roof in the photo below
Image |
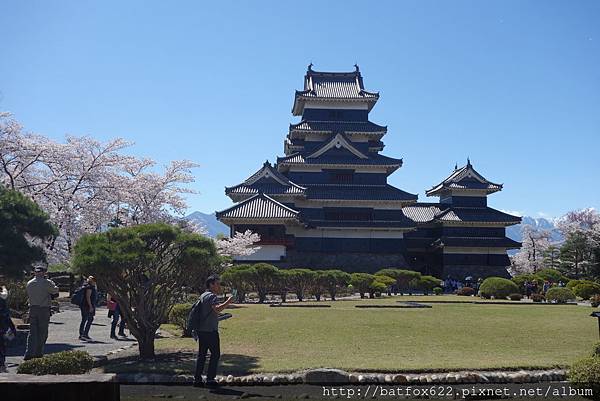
260	206
266	180
373	160
476	214
333	86
465	178
421	213
339	126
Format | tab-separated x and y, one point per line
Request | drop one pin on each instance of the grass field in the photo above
447	336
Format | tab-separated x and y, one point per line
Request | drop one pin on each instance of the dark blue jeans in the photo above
208	341
87	317
115	320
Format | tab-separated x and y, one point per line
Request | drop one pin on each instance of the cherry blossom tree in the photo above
86	185
241	244
530	257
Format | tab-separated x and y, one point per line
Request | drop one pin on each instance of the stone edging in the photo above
100	360
329	376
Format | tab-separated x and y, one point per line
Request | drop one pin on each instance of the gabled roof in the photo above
422	212
266	180
464	178
358	192
441	213
333	86
348	127
258	207
338	141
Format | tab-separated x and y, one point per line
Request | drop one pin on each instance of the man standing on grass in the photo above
207	331
40	290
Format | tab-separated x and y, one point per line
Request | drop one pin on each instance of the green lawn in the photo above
447	336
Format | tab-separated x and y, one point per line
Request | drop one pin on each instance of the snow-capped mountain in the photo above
210	223
540	223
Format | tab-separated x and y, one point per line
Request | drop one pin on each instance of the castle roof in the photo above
426	212
332	86
266	180
358	192
258	207
465	178
348	127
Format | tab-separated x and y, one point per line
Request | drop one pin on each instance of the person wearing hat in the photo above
39	291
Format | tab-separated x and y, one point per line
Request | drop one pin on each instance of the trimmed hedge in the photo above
585	373
179	316
438	291
60	363
560	295
586	290
497	287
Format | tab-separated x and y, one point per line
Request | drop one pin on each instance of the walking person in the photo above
114	311
40	290
6	328
207	331
88	308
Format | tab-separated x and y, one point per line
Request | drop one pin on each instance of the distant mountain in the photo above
210	223
514	232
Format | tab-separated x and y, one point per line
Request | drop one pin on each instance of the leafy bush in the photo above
428	283
465	291
497	287
438	291
520	280
60	363
515	297
17	296
574	283
585	373
560	295
179	315
586	290
552	275
537	297
595	301
596	349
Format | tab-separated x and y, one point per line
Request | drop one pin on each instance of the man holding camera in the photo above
206	328
40	291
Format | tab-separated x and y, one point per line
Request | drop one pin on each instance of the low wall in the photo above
92	387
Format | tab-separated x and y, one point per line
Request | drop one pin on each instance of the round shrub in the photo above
179	316
465	291
60	363
574	283
560	295
497	287
585	373
515	297
438	291
537	298
586	290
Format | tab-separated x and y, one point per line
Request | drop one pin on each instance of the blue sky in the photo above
514	85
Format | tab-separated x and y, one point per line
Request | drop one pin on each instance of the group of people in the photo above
450	284
532	287
40	292
87	306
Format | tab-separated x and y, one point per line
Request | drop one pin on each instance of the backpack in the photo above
77	298
195	318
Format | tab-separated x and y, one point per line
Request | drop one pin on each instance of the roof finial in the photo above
310	66
468	162
455	166
356	69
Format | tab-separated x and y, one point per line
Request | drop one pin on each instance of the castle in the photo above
327	203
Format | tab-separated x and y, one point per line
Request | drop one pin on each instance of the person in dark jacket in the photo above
88	308
6	326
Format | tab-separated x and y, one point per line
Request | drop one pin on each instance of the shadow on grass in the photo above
173	363
48	349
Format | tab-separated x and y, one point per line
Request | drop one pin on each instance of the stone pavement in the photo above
63	334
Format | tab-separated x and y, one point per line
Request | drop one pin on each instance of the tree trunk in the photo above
146	347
